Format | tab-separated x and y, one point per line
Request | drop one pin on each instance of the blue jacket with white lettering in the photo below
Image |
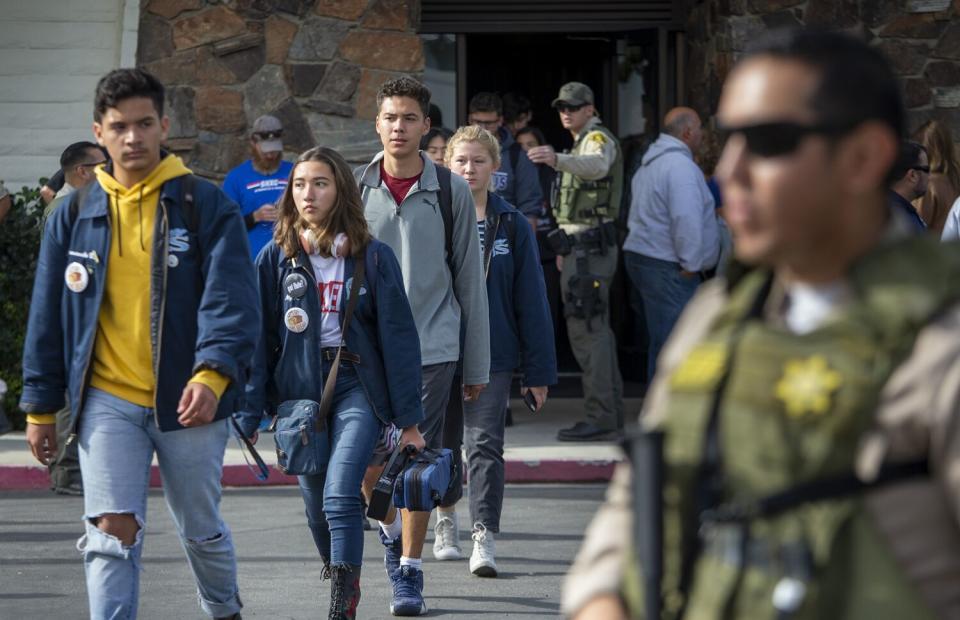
288	365
203	305
521	332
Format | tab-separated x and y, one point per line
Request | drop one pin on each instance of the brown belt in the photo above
330	353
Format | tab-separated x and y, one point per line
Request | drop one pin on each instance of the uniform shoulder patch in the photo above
598	137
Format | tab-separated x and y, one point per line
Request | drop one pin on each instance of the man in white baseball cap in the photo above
257	184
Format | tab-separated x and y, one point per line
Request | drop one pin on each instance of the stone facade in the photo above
315	64
920	37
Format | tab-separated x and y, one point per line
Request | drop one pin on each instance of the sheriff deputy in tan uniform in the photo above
809	404
591	183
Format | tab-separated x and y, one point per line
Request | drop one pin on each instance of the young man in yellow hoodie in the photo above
145	313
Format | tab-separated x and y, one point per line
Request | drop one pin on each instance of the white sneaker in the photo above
446	537
482	563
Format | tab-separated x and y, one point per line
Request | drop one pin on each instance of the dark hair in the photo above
346	216
435	115
541	140
76	154
907	159
486	102
122	84
514	106
433	133
856	81
405	86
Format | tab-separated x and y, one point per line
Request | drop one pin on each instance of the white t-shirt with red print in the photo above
329	274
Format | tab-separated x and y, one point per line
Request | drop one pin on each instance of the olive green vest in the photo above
793	410
580	200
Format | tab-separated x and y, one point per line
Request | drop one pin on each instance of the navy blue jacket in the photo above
520	185
288	366
203	312
521	332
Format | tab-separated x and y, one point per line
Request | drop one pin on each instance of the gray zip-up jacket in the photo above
414	231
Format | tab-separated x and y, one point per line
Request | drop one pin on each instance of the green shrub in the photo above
19	246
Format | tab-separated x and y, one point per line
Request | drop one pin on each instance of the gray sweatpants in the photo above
484	420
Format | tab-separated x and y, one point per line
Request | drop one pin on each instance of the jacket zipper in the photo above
163	308
86	367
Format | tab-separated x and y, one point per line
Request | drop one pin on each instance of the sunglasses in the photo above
780	138
567	108
268	135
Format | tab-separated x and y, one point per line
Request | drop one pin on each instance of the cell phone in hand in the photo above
530	401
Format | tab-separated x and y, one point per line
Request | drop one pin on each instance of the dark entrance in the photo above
532	47
537	65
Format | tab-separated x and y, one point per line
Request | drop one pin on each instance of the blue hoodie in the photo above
521	332
519	186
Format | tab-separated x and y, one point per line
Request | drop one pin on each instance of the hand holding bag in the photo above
302	435
413	480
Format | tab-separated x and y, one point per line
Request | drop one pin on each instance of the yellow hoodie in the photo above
122	355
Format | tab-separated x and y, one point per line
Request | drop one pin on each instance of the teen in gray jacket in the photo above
401	195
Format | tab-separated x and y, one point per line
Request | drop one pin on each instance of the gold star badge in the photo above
806	386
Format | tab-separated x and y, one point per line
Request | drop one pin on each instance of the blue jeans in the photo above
117	440
332	498
660	294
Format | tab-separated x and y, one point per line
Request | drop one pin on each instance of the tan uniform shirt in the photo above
594	156
917	417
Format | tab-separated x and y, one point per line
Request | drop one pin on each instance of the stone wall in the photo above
315	64
920	37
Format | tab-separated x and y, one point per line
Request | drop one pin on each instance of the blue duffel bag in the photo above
425	479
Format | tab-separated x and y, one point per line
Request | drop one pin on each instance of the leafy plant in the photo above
20	234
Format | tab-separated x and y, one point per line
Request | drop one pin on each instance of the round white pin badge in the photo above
296	320
76	277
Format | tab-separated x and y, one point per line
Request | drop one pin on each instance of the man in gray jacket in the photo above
673	237
401	195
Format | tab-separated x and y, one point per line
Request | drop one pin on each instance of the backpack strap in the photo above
446	211
78	201
187	203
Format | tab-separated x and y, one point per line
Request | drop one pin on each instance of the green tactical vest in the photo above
793	410
581	200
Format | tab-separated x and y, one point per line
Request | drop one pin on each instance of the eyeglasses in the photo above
925	169
484	124
780	138
268	135
567	108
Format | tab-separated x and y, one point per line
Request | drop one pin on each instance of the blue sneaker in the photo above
391	554
407	592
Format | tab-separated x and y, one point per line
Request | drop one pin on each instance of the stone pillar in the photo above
315	64
921	39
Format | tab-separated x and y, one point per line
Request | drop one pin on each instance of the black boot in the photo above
344	592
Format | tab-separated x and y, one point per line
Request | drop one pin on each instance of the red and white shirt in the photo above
329	274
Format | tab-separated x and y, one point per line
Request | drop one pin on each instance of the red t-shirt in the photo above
398	187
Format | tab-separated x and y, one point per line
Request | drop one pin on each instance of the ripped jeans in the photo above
117	440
